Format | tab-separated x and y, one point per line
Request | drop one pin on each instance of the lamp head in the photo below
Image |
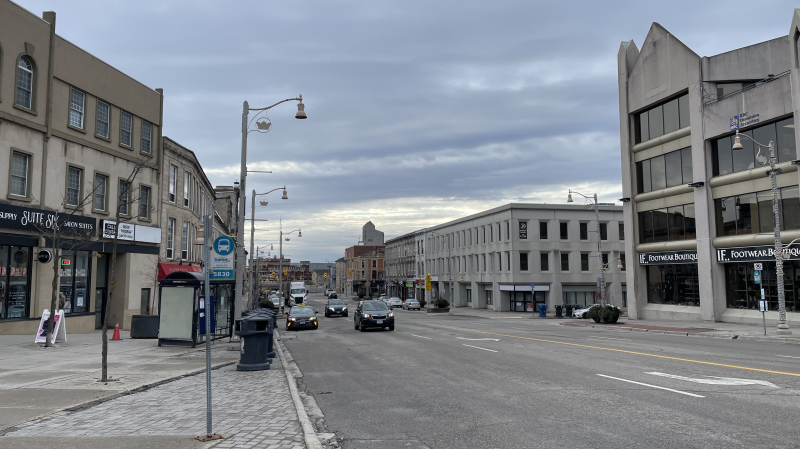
301	110
619	264
737	142
300	234
285	196
264	203
569	197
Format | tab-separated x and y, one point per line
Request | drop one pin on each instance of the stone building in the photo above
365	272
370	236
401	266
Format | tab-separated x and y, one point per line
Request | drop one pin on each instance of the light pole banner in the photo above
221	264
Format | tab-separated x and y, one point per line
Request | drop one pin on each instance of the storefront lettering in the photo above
17	217
750	253
667	258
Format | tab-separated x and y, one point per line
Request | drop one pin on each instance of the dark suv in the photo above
335	307
373	314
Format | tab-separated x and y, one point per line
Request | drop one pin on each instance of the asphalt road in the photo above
456	382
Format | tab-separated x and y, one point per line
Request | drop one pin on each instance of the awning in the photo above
165	269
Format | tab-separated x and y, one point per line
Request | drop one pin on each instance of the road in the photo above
459	382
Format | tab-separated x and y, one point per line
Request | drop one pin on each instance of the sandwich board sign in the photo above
59	327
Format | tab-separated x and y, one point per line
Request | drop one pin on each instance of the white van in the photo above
297	293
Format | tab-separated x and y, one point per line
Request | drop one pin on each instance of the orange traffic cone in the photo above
116	332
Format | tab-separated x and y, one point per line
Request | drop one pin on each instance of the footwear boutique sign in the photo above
668	257
756	253
29	219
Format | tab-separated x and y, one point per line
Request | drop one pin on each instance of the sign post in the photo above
762	307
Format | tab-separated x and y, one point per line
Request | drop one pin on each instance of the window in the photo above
126	129
563	229
564	261
668	170
622	261
544	261
20	165
75	280
100	188
605	258
726	160
185	241
25	83
74	176
662	119
668	224
173	182
76	101
147	137
15	281
603	231
187	184
508	230
621	231
484	262
144	202
124	197
542	230
103	118
584	228
362	264
374	264
523	261
584	262
751	213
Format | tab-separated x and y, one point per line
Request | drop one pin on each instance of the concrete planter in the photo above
438	310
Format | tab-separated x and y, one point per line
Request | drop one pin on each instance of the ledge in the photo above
677	245
674	135
663	193
754	173
730	241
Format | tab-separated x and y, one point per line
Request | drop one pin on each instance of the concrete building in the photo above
370	236
494	257
72	131
401	266
699	213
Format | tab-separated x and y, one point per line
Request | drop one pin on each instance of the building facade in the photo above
365	269
401	266
81	141
516	256
370	236
341	274
700	212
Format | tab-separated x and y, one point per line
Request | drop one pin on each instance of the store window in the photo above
662	119
751	213
742	292
15	281
668	224
582	299
668	170
673	284
489	299
726	160
73	294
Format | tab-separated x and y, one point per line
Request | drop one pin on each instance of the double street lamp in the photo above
783	326
261	126
280	255
592	202
252	226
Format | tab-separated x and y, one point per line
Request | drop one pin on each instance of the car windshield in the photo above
337	302
302	310
371	305
394	299
298	291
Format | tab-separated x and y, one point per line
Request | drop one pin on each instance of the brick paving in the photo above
254	408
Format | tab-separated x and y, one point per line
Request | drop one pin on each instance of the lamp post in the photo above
593	202
280	256
449	270
253	223
783	326
262	126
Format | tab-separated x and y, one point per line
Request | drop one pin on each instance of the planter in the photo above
596	319
438	310
144	326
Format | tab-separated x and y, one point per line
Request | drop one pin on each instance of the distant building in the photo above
370	236
365	272
402	273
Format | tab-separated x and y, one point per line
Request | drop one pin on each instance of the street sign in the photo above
221	263
758	266
428	286
762	306
533	286
44	256
757	277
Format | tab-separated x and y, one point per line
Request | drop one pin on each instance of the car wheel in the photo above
391	328
584	316
345	315
361	327
355	324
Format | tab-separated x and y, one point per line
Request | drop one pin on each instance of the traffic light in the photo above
326	274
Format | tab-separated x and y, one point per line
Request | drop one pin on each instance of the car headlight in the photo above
291	319
366	315
313	318
344	308
330	308
390	315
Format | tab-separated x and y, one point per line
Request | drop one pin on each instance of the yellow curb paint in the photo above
624	351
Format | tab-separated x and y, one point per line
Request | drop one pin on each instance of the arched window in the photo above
25	83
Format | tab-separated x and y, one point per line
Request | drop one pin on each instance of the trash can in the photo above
568	311
254	332
542	310
558	311
274	318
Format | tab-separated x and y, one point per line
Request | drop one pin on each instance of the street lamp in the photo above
592	201
449	270
253	223
783	326
261	126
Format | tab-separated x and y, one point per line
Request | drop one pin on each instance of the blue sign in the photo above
221	262
734	122
224	245
203	315
757	277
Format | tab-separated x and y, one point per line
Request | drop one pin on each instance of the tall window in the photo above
668	170
545	261
144	202
523	261
542	230
76	103
603	231
621	231
147	137
584	262
671	223
170	238
662	119
100	187
564	261
726	160
124	197
187	184
185	241
563	229
25	83
751	213
125	129
19	174
74	176
584	230
103	118
173	182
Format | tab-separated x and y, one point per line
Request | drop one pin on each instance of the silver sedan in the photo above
411	304
395	302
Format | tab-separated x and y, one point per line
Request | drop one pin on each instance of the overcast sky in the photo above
419	112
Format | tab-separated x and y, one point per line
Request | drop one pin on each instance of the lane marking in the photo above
477	347
479	339
420	336
623	351
504	317
653	386
788	356
717	380
611	338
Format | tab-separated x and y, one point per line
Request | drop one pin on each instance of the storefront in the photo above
524	298
15	281
741	288
672	277
580	295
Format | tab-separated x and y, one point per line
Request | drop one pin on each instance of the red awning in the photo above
165	269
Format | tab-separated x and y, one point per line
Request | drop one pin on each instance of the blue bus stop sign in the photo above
757	277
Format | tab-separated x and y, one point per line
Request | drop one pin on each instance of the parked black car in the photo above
335	307
373	314
301	317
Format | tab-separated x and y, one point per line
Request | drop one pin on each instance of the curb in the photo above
660	332
139	389
310	436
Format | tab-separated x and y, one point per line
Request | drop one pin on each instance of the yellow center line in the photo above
504	317
620	350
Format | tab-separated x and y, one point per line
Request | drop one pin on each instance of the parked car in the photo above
301	317
395	302
583	313
335	307
411	304
381	297
373	314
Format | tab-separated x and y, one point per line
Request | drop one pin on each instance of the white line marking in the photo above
718	380
420	336
478	339
610	338
787	356
653	386
477	347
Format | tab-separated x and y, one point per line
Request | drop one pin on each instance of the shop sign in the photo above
743	120
125	230
18	217
668	257
753	253
131	232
